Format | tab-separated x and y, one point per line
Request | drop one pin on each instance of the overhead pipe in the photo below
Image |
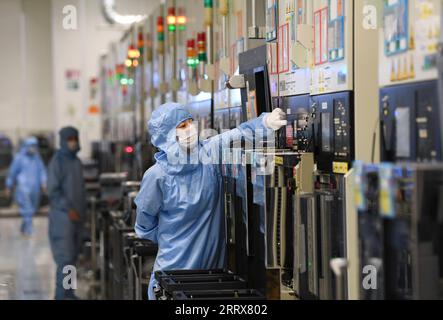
162	52
224	61
141	44
440	70
209	22
254	20
207	66
224	11
255	32
172	29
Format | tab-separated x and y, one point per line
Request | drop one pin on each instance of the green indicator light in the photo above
124	82
172	28
202	57
193	62
208	4
182	28
161	37
131	82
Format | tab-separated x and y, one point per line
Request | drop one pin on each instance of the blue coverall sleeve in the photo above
14	170
56	193
149	204
247	130
43	174
254	129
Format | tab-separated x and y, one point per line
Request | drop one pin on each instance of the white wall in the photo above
80	49
25	64
35	52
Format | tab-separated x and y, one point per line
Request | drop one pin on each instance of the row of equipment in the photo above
303	219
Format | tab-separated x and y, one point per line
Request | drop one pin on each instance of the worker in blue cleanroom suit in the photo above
179	205
67	199
28	174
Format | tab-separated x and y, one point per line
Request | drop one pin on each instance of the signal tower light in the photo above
201	43
133	53
119	71
172	20
208	12
192	59
181	19
160	29
140	42
128	63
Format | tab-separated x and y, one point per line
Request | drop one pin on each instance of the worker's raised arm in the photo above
258	130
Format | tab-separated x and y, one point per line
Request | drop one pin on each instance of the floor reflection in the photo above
26	265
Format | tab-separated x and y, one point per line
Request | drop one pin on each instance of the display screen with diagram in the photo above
396	31
336	30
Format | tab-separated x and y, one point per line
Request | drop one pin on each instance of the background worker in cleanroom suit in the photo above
67	199
179	205
28	174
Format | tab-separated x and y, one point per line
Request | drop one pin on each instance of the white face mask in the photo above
187	138
32	150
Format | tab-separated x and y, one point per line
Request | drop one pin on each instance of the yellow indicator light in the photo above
172	20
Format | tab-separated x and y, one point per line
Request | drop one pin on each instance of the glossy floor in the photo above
27	269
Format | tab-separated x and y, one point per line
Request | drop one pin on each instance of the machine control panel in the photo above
297	135
333	131
409	123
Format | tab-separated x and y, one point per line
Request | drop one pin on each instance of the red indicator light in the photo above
129	149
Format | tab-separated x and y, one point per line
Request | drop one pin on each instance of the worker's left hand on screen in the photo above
74	216
275	120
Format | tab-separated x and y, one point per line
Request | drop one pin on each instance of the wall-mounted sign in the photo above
72	80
